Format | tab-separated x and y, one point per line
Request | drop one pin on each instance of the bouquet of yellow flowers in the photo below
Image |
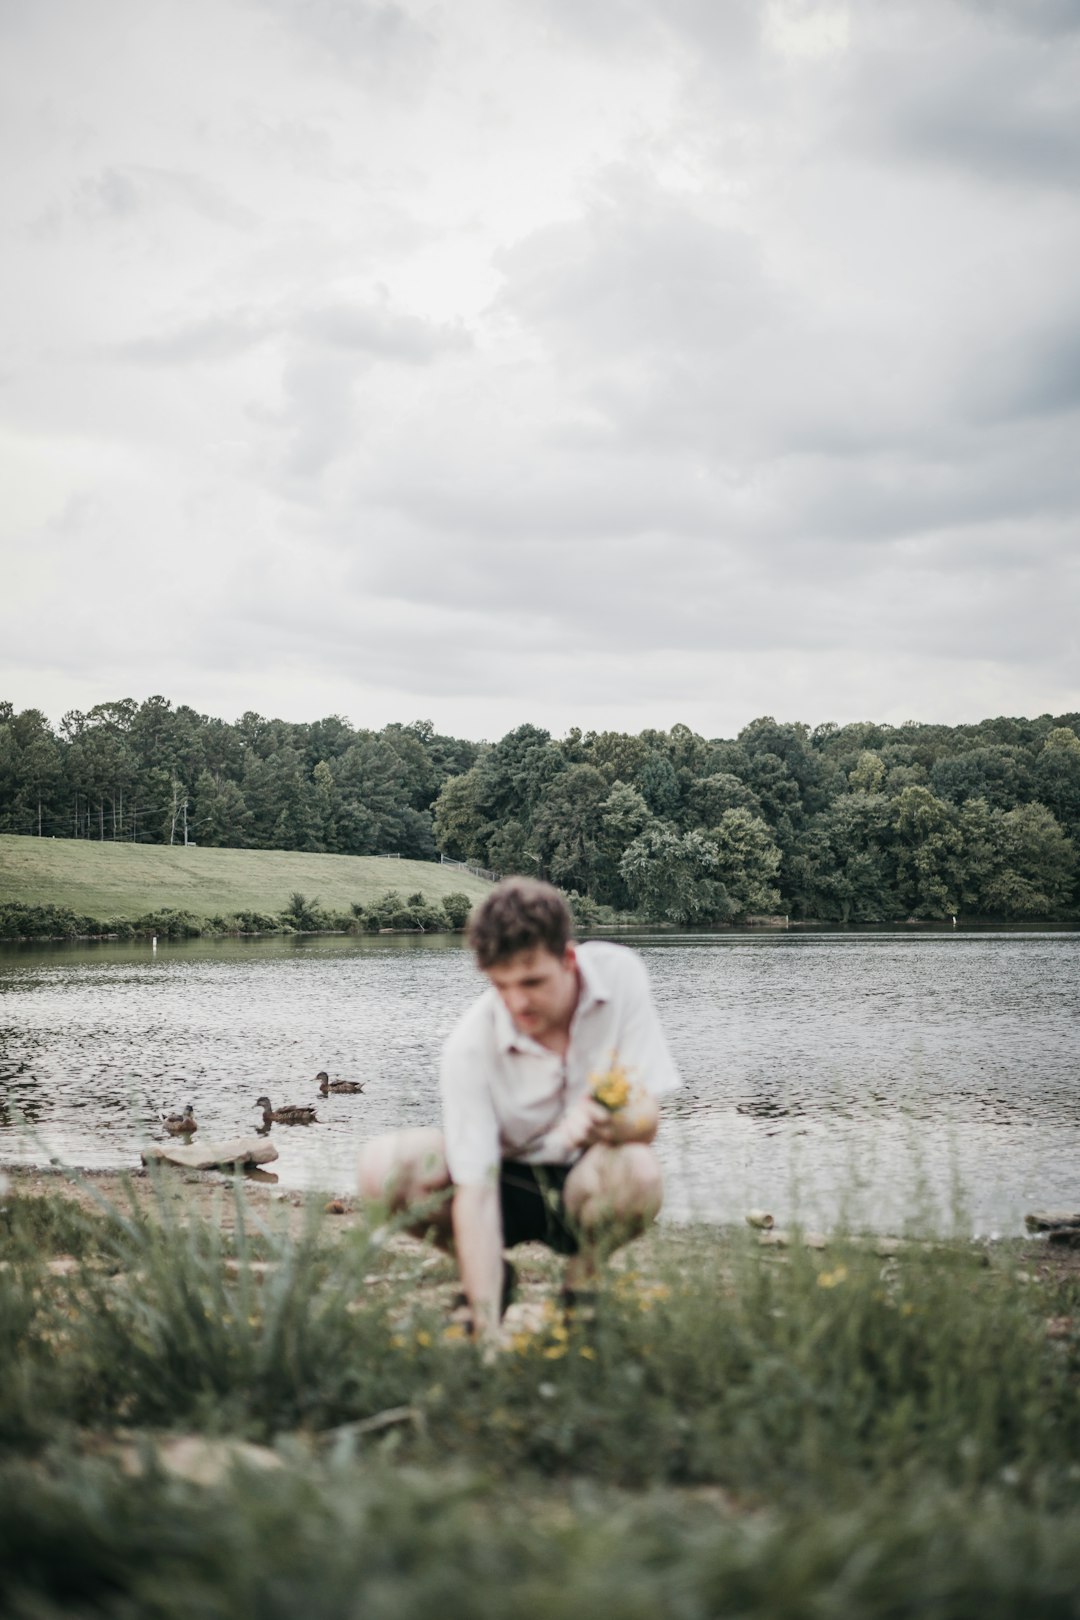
612	1088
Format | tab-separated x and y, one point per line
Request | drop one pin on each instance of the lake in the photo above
892	1078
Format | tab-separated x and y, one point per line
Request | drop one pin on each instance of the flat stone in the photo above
1046	1221
212	1155
201	1461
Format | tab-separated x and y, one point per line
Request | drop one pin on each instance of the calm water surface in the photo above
885	1077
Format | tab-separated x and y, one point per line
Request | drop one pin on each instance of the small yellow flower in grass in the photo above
587	1353
455	1332
612	1088
554	1352
423	1338
832	1279
907	1308
397	1342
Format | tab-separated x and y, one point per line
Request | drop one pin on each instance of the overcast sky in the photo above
596	362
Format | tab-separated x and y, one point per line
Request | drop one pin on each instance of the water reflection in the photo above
875	1072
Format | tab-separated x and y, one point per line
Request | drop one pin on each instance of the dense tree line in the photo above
154	774
856	823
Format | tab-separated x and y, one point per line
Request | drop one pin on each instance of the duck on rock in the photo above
180	1124
291	1114
342	1087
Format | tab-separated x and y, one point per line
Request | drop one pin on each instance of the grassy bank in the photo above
736	1432
128	881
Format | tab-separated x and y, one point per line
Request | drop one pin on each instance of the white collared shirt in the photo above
502	1092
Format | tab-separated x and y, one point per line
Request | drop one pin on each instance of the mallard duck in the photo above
349	1087
180	1124
291	1114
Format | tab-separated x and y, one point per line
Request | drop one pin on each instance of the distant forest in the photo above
856	823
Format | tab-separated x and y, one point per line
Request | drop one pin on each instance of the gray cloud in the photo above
373	329
1035	375
730	29
383	333
366	36
641	272
119	193
1046	17
997	106
209	338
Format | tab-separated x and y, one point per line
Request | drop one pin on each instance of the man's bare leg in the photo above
407	1170
612	1195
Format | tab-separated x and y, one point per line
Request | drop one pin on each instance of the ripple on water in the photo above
876	1072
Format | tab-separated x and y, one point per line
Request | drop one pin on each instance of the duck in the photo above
180	1124
349	1087
290	1114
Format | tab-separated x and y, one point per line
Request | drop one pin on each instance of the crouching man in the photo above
530	1152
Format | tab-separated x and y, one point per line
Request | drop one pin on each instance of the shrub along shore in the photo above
215	1402
389	913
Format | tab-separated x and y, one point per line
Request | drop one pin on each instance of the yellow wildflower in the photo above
423	1338
832	1279
611	1089
554	1352
587	1352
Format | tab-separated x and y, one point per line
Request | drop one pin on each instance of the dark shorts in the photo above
532	1205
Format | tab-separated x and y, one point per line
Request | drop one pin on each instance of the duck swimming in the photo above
290	1114
180	1124
349	1087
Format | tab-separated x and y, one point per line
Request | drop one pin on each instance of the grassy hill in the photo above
125	881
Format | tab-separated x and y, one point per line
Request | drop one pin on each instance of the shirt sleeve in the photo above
470	1124
642	1045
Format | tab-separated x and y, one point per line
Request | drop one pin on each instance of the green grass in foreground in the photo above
738	1432
126	881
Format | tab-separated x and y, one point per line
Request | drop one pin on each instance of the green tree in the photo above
999	774
220	816
845	869
747	865
567	826
460	825
929	855
1057	777
867	775
1021	863
508	851
669	874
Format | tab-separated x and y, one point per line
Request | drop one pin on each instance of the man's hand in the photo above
586	1121
582	1124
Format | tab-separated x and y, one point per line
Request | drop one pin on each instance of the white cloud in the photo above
598	364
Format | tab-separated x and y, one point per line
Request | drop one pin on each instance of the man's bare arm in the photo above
478	1241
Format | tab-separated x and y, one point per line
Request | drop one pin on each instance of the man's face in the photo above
538	990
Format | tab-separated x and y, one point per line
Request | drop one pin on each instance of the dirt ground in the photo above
209	1194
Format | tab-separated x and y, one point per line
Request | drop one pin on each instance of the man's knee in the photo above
402	1168
624	1182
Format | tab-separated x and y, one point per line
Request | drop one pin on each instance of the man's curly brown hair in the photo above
519	914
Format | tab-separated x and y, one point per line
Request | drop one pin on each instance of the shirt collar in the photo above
594	993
